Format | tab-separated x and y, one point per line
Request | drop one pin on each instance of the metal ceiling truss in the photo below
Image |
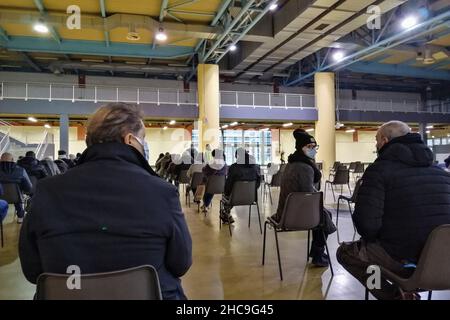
379	46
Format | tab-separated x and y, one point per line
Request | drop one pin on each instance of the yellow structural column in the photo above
325	134
208	105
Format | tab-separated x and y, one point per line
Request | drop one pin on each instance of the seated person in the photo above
10	172
32	166
216	167
197	166
403	197
111	212
158	162
301	175
50	167
62	156
185	164
244	169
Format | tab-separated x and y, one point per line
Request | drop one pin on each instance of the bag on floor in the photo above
199	193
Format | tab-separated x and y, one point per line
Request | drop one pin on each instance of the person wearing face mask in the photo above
302	175
110	212
402	199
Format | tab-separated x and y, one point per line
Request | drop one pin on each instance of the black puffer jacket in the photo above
33	167
403	198
243	170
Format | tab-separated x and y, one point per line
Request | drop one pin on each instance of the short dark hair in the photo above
30	154
111	122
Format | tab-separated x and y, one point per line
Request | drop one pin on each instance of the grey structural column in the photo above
64	132
423	131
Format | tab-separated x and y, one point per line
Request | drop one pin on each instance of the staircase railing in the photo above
5	140
42	146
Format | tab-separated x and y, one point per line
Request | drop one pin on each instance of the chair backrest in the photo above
433	269
243	193
336	165
319	165
302	211
359	168
276	179
342	176
141	283
352	166
356	190
215	185
183	177
197	178
11	192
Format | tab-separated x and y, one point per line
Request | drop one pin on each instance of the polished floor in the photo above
227	267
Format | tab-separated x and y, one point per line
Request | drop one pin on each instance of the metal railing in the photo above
41	149
159	96
390	105
5	141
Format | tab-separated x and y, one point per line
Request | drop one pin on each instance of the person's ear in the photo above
128	138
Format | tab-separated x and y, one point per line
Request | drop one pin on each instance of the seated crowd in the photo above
110	199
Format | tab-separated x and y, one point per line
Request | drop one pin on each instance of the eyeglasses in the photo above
314	147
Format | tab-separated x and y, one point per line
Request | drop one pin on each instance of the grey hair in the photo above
394	129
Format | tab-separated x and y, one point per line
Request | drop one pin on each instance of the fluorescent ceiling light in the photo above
47	126
427	132
273	6
40	27
430	127
172	122
233	124
338	56
409	22
32	119
161	35
224	126
309	130
165	128
233	48
288	124
350	130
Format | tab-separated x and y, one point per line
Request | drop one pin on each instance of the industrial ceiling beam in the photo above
162	11
28	60
105	31
4	35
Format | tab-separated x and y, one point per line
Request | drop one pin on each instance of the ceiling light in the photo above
161	35
224	126
409	22
165	128
309	130
432	137
233	48
273	6
265	129
132	34
288	124
430	127
40	27
172	122
233	124
350	130
428	131
32	119
338	56
47	126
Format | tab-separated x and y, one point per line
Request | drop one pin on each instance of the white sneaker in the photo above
19	220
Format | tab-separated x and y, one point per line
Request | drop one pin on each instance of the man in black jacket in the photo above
110	212
32	165
10	172
245	169
403	197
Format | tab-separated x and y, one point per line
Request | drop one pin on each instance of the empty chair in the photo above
242	194
140	283
341	178
302	212
349	200
274	182
333	169
433	269
359	170
352	166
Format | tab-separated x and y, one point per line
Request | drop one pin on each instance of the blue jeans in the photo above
207	198
3	209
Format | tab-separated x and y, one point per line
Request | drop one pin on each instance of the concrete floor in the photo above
230	268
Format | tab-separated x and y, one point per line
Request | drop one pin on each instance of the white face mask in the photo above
144	145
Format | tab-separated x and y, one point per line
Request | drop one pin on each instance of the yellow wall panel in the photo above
81	34
87	6
146	7
24	4
22	30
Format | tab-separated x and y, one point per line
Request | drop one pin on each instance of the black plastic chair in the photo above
302	212
243	194
215	185
12	193
275	182
349	200
196	180
183	179
433	269
341	178
140	283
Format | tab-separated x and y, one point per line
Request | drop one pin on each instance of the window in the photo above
430	142
257	143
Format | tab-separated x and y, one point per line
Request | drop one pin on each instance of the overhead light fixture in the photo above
288	124
429	127
165	128
32	119
338	56
233	124
350	130
273	6
161	35
338	125
432	137
265	129
224	126
409	22
172	122
309	130
40	27
233	48
428	132
47	126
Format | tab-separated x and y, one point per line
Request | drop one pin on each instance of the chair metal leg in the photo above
334	196
264	242
270	195
229	228
351	216
220	212
337	212
430	294
249	214
259	217
307	246
349	189
278	253
329	257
